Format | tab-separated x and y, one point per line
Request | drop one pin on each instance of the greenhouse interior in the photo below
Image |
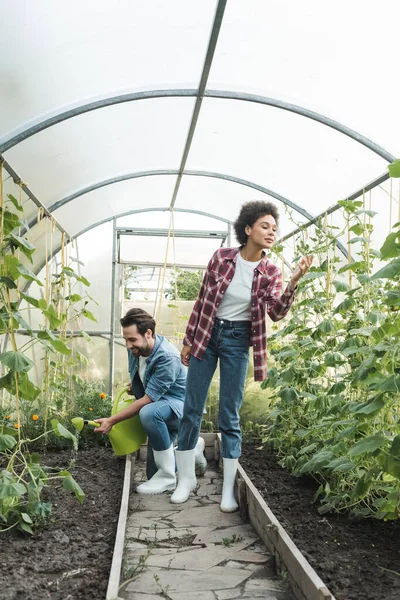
131	134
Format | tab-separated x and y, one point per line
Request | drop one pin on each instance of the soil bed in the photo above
353	557
70	558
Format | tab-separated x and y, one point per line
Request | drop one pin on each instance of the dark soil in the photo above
70	558
353	557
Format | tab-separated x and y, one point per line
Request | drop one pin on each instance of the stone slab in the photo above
211	515
201	559
155	536
154	580
243	534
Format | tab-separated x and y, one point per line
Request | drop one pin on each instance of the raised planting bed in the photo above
69	558
358	559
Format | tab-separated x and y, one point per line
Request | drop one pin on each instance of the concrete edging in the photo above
116	564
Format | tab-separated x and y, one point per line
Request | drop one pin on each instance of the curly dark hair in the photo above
140	318
249	214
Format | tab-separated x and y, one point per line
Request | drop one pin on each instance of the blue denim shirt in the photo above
164	377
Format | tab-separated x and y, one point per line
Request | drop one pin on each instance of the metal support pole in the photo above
112	320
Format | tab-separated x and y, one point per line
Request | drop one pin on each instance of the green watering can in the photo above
126	436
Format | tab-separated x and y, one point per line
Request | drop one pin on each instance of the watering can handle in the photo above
118	397
93	423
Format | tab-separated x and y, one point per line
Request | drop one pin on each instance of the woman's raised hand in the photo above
301	269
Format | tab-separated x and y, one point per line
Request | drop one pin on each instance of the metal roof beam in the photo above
212	44
26	131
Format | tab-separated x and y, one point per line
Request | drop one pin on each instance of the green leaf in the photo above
337	388
392	298
326	326
341	464
27	274
332	359
345	306
11	490
364	211
83	280
52	316
392	384
353	266
392	466
391	247
16	361
60	430
8	282
389	271
340	286
357	229
89	315
15	202
313	275
25	527
27	390
395	447
26	518
362	486
7	442
394	168
369	408
37	303
73	298
367	445
26	247
69	483
21	321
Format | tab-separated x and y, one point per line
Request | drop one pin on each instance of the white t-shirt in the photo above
236	303
142	367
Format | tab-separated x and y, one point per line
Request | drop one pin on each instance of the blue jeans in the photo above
230	341
161	425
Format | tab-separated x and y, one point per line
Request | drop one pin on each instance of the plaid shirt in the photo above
266	290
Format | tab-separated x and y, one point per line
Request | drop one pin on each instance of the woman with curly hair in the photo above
239	287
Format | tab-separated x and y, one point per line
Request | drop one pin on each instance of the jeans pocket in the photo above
241	333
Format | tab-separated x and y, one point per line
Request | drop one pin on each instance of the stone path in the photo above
193	550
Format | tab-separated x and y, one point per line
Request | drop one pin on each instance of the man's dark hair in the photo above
140	318
249	214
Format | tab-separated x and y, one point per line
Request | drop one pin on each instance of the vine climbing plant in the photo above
22	477
335	370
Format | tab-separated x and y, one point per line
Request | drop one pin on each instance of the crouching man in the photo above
158	381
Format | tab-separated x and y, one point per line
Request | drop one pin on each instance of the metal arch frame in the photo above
10	141
194	173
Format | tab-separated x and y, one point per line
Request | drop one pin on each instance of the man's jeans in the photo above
230	341
161	425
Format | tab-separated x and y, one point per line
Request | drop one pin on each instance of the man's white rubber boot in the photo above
200	460
186	475
164	479
228	502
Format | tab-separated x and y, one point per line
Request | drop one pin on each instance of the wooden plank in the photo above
277	539
116	565
305	583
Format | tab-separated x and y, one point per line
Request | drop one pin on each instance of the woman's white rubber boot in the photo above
164	479
228	502
200	460
186	476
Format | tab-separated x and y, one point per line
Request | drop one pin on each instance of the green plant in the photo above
184	284
227	542
335	375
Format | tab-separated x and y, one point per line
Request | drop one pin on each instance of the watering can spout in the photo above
126	436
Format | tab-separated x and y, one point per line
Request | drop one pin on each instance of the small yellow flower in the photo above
102	395
7	417
35	417
16	426
90	408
